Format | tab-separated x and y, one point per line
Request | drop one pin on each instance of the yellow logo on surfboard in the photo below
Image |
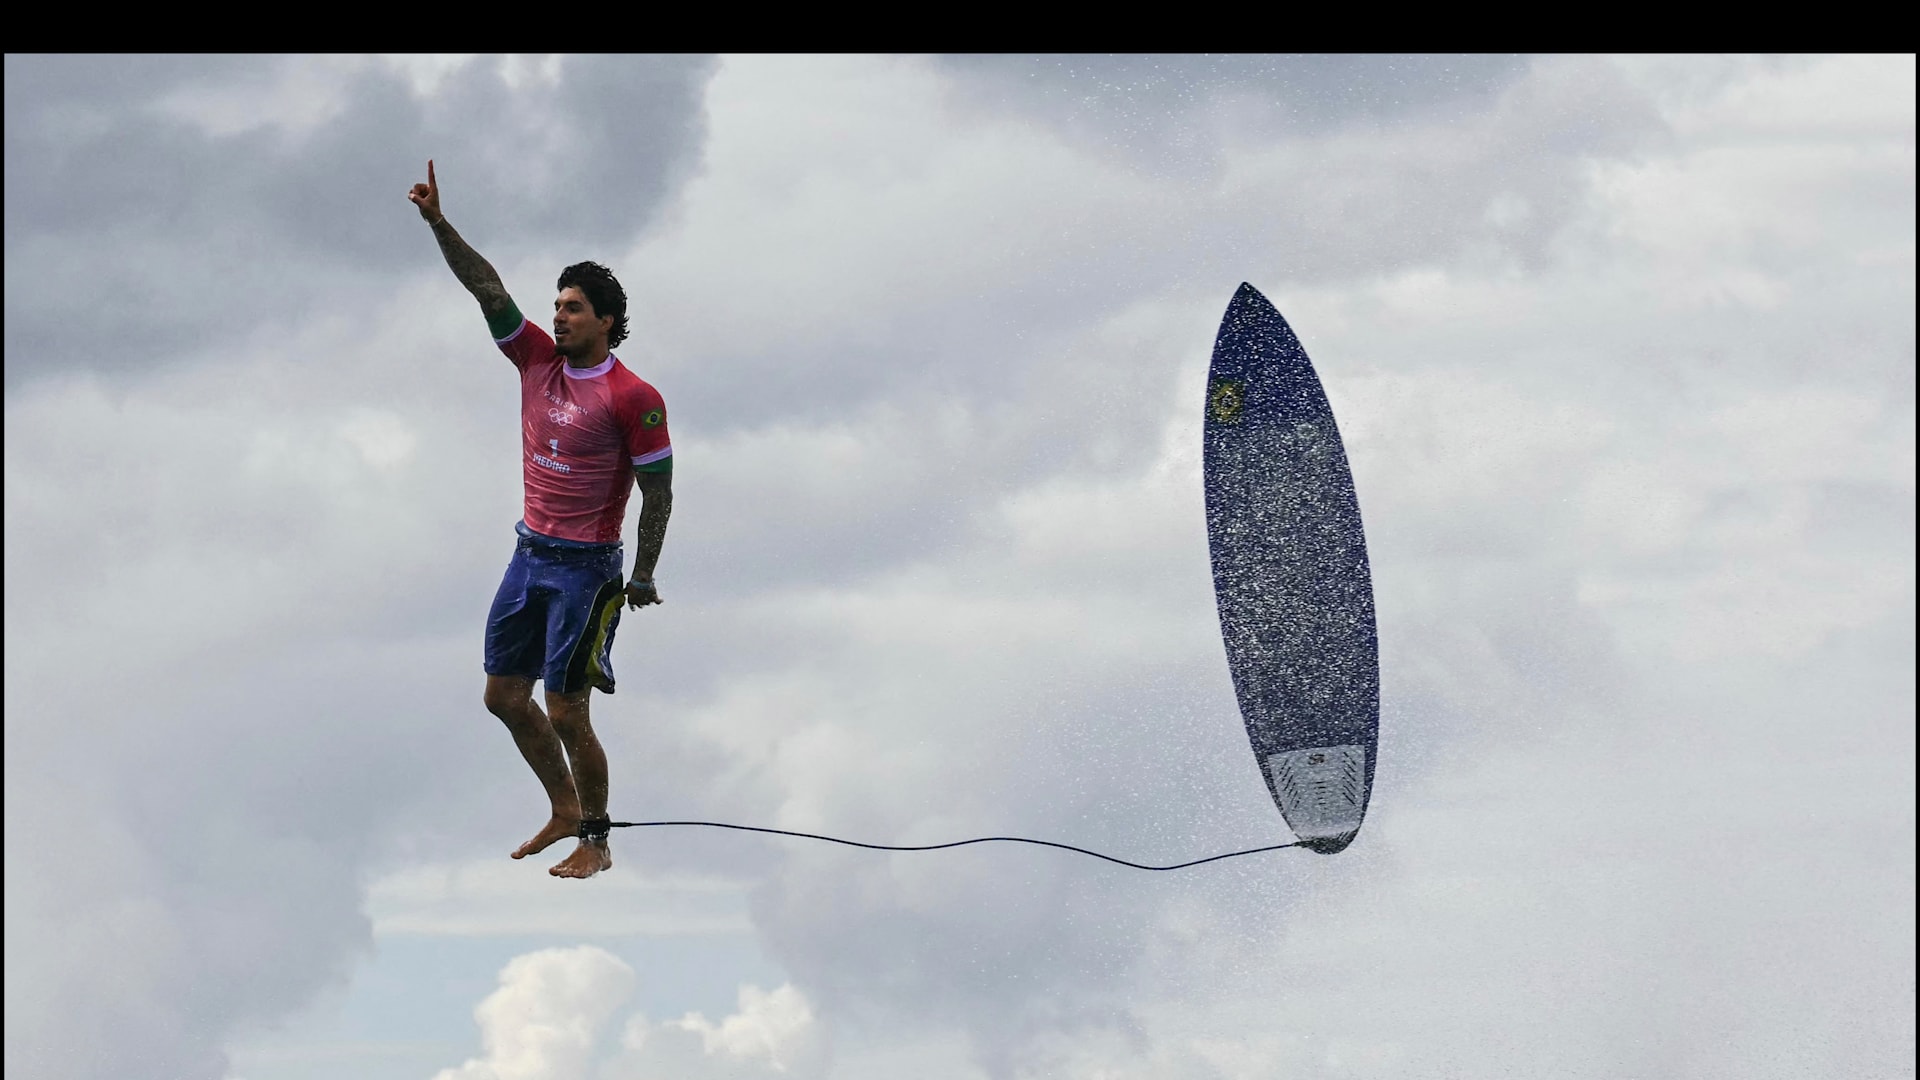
1228	398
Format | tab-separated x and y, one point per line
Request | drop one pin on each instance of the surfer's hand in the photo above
641	593
427	197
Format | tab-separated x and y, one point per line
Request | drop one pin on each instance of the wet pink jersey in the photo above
584	431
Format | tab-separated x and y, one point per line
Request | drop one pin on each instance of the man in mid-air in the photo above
590	430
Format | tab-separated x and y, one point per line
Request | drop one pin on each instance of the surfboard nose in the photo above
1247	299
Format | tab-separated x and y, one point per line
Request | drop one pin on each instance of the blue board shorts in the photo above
554	616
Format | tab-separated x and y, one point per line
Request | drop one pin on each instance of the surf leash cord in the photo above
597	829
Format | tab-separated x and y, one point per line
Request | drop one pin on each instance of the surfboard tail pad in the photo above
1321	792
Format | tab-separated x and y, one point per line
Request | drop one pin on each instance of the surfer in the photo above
588	424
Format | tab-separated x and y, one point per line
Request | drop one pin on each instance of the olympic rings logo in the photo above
559	417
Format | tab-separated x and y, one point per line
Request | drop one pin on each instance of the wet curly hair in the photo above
603	291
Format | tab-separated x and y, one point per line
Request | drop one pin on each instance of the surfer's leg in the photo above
516	649
588	762
510	697
581	618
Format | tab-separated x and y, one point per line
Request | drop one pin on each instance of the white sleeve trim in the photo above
657	455
517	331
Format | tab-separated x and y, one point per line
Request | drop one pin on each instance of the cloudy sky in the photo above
1622	348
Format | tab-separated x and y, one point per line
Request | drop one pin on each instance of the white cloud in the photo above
773	1035
546	1018
901	207
549	1021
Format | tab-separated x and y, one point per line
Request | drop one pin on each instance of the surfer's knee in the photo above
568	713
508	698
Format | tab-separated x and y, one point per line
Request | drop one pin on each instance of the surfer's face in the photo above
576	329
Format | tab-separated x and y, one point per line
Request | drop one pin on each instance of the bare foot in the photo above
558	828
591	857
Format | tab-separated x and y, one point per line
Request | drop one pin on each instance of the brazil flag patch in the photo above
653	418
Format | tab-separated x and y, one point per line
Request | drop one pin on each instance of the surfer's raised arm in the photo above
476	273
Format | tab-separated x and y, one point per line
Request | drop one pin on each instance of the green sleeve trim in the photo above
504	322
664	465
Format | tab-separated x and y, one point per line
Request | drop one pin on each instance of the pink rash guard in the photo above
584	431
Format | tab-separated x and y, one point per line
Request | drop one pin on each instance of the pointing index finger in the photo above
430	182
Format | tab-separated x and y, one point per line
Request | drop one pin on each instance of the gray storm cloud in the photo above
173	203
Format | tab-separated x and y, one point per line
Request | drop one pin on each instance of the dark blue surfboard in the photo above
1290	575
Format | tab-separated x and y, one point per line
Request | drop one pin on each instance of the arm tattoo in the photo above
476	273
656	506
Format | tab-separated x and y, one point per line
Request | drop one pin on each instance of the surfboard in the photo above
1290	575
